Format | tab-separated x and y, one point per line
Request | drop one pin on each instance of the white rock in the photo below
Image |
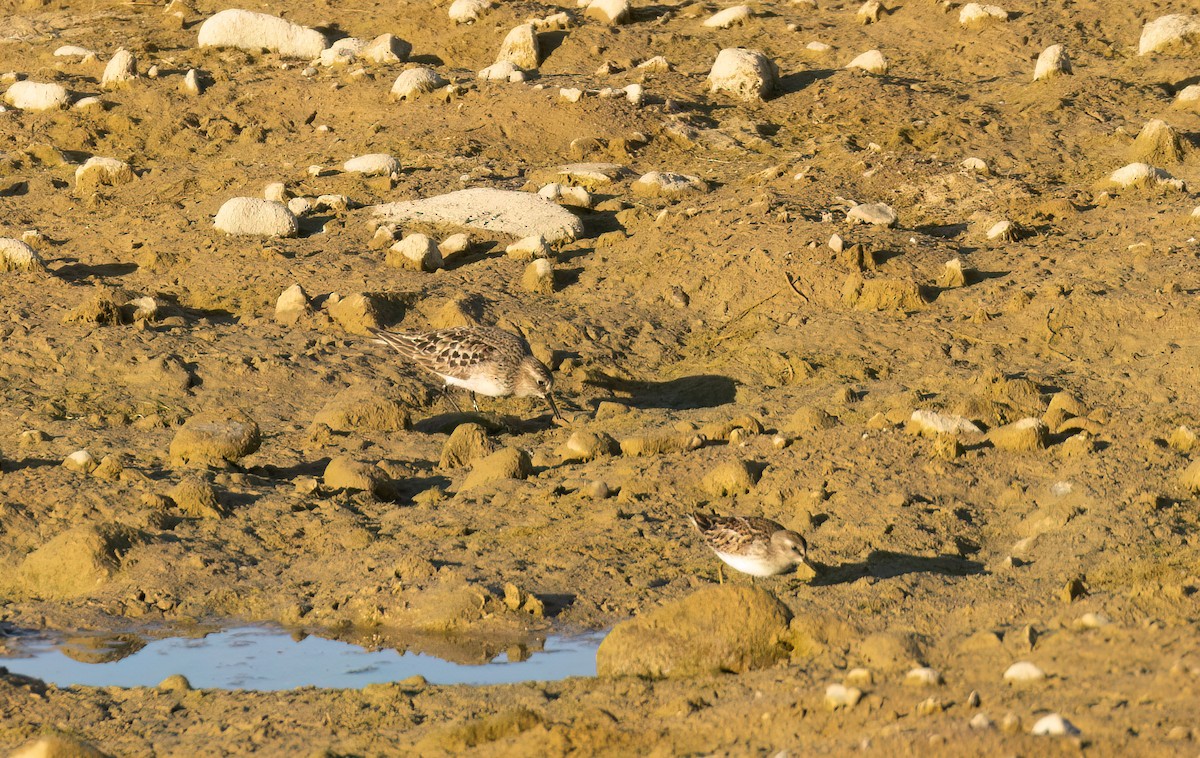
520	214
385	49
657	65
932	423
416	251
735	16
668	184
84	103
923	677
840	696
276	192
635	93
1092	621
252	31
252	216
1144	175
743	73
501	71
980	721
1053	725
818	47
331	203
455	244
539	276
975	164
871	61
609	11
36	96
416	81
878	214
468	11
16	255
373	164
1052	62
560	20
300	206
974	14
121	70
567	195
520	47
1004	231
528	248
342	52
868	12
292	305
570	94
1172	31
72	51
1189	96
99	171
1023	672
81	461
191	82
145	308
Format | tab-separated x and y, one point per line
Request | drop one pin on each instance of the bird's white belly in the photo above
484	385
752	566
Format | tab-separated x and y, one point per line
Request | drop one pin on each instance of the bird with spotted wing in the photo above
752	545
480	359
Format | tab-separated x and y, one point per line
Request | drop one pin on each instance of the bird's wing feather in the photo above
450	352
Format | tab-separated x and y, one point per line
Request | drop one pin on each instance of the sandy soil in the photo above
669	317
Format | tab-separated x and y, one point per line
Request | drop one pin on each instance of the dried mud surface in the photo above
964	558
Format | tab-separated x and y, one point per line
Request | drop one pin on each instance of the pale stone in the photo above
99	171
1052	62
1024	672
840	696
468	11
191	82
416	81
975	14
121	70
385	49
877	214
292	305
36	96
871	61
746	74
81	461
416	251
1144	175
539	277
252	216
501	71
931	423
528	248
521	214
735	16
1053	725
520	47
609	11
252	31
16	255
668	184
1174	31
372	164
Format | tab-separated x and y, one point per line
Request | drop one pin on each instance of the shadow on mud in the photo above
884	564
700	391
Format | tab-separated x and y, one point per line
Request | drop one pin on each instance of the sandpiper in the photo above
480	359
754	546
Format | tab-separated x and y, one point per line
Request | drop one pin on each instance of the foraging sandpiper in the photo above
480	359
754	546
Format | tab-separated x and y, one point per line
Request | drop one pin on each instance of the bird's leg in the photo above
720	573
446	392
475	402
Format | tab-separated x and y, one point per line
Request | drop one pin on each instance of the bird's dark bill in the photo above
553	407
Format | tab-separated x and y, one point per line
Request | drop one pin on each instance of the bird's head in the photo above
535	380
793	545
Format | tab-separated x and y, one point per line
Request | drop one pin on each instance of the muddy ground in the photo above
668	315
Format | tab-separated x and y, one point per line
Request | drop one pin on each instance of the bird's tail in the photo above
401	342
700	521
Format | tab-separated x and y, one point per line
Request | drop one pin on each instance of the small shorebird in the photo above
754	546
480	359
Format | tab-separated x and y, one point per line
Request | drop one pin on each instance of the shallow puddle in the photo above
258	658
